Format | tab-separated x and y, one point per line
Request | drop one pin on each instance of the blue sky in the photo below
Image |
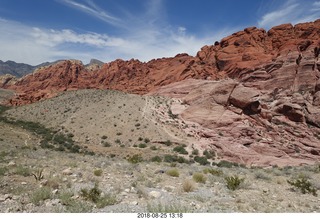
35	31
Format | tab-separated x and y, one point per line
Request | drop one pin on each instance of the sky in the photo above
37	31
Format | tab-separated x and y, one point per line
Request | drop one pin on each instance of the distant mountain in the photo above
19	69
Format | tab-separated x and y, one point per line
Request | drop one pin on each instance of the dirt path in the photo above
151	113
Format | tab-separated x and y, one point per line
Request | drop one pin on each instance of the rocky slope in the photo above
252	56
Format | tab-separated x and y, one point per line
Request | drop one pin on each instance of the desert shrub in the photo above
173	172
188	186
154	148
66	198
209	154
233	182
118	141
3	171
106	200
40	195
168	143
104	137
97	172
201	160
195	152
119	133
180	150
146	140
106	144
225	163
156	159
174	158
261	175
212	171
137	158
199	178
94	195
304	185
142	145
22	171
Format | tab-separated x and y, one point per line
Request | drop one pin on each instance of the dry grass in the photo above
188	186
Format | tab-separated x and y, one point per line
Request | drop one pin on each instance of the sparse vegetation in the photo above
141	145
94	195
38	174
201	160
199	178
212	171
173	172
304	185
168	143
188	186
40	195
209	154
233	182
180	150
22	171
156	159
137	158
98	172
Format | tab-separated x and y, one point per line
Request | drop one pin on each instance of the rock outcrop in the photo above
247	125
285	57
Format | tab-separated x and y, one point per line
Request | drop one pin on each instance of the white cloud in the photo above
34	45
291	11
92	9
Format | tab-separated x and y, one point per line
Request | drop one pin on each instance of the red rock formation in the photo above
284	57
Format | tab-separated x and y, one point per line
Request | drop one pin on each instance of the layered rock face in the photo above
248	125
284	57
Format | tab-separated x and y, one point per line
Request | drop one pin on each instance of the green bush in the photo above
227	164
209	154
233	182
195	152
97	172
141	145
40	195
174	158
92	194
199	178
180	150
201	160
168	143
137	158
173	172
303	185
212	171
156	159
